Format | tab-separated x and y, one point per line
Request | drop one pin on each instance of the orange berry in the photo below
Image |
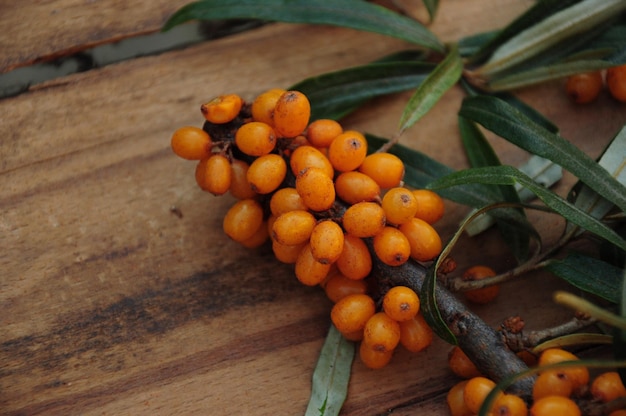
352	312
258	238
608	386
285	253
291	114
266	173
399	205
321	133
391	246
347	151
243	219
339	286
381	333
555	406
222	109
401	303
191	143
578	375
485	294
293	227
355	261
475	392
364	219
327	241
423	238
354	187
239	186
285	200
461	365
255	138
616	82
456	401
316	189
308	270
214	174
509	405
415	334
373	358
552	383
263	106
430	206
308	156
619	412
386	169
584	88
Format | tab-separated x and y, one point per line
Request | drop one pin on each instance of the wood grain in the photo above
121	294
34	31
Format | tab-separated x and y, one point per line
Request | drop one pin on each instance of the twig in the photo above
519	341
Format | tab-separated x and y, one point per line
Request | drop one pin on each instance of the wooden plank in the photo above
50	29
114	302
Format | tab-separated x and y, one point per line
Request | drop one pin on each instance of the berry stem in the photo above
484	345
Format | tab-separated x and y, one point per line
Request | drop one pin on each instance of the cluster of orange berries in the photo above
586	87
312	189
555	391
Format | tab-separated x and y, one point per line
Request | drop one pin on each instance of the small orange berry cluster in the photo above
554	393
585	87
312	189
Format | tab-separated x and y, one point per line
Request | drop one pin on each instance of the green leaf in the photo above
514	126
480	153
512	100
355	14
507	175
336	94
589	274
440	80
613	160
565	24
429	307
548	73
431	6
619	346
536	13
331	375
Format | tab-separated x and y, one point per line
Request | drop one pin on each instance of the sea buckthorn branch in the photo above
347	224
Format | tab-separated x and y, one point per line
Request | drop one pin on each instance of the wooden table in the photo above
120	294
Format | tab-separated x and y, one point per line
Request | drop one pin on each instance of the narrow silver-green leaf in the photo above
440	80
355	14
614	161
336	94
514	126
562	25
508	175
539	11
331	376
548	73
589	274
